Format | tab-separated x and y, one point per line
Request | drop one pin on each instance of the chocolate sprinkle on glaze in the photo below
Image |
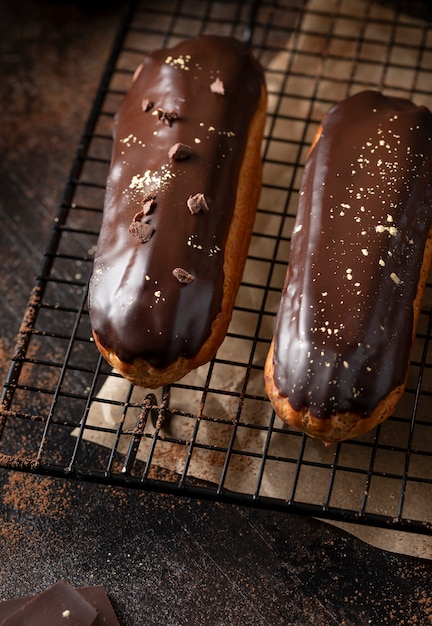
182	275
126	276
179	152
197	203
343	330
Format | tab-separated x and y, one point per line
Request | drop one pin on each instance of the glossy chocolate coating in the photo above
137	306
344	328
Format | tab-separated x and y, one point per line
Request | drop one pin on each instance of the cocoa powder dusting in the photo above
5	354
11	532
35	495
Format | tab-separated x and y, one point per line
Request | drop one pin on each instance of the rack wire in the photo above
213	435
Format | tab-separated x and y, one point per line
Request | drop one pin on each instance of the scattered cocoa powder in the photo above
11	532
36	495
5	352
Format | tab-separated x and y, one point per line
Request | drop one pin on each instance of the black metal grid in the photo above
203	437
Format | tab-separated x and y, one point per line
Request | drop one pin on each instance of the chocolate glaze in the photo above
344	327
137	307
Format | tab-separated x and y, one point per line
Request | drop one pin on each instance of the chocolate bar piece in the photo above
95	596
58	605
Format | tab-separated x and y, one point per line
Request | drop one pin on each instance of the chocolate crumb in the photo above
138	216
142	230
151	195
148	207
217	86
149	203
197	203
179	152
182	275
167	117
147	105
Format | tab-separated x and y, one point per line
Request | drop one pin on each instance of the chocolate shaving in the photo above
183	276
142	230
167	117
179	152
197	203
147	105
217	86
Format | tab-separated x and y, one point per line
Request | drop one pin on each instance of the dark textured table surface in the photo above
162	560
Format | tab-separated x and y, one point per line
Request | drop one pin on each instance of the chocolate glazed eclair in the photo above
360	258
180	205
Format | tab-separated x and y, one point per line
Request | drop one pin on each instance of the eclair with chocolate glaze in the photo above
360	256
180	204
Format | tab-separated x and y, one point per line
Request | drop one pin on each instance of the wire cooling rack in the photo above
213	435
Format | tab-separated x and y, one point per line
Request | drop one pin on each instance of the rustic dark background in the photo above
162	560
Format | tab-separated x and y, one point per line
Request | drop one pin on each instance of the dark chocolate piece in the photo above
125	313
182	275
7	607
60	604
197	203
179	152
98	598
343	330
95	595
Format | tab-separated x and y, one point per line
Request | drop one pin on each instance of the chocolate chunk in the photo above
142	230
59	604
147	208
179	152
98	598
95	595
149	203
151	195
147	105
138	216
182	275
167	117
197	203
217	86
